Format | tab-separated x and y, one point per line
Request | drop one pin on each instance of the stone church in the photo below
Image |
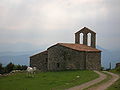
66	56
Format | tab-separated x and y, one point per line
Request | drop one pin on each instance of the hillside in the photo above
47	80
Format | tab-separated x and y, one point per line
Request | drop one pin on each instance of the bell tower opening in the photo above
81	38
86	36
89	39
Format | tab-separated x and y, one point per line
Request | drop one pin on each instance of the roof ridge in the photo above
81	47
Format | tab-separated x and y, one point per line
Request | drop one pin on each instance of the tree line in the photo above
9	67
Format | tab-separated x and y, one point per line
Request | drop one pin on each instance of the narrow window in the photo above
58	65
81	38
89	39
46	59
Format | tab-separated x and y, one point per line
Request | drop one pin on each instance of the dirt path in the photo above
85	85
104	86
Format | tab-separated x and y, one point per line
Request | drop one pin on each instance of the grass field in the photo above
116	85
46	80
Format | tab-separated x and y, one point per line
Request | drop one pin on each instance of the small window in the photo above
46	59
89	39
81	38
58	65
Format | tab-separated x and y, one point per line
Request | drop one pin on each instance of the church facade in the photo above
68	56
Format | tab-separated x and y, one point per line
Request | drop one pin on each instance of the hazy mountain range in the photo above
22	58
109	56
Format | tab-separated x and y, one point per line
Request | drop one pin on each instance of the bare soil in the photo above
102	76
102	86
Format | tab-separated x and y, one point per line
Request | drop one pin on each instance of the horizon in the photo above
33	26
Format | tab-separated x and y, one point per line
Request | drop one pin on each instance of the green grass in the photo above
101	82
116	85
115	71
46	80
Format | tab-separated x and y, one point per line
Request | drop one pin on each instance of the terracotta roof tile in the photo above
79	47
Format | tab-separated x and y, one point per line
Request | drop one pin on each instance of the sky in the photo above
27	25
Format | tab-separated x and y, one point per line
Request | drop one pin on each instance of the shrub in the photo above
102	68
24	67
9	67
118	69
0	66
1	69
19	67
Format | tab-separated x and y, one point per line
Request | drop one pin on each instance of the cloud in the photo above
28	14
44	22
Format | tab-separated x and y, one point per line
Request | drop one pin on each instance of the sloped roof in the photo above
44	52
78	47
85	29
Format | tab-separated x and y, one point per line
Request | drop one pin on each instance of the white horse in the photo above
31	71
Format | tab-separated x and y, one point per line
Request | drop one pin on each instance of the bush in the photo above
118	69
19	67
107	69
9	67
24	67
102	68
1	69
0	66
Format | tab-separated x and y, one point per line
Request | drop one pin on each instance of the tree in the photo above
1	68
19	67
24	67
9	67
102	68
118	69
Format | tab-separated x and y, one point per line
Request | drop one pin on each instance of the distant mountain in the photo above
15	53
22	58
109	56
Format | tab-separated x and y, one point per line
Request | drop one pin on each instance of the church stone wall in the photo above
59	57
62	58
39	61
93	60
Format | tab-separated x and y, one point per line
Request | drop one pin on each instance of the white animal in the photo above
31	71
77	76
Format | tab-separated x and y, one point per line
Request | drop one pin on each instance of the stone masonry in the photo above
85	32
40	61
64	56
